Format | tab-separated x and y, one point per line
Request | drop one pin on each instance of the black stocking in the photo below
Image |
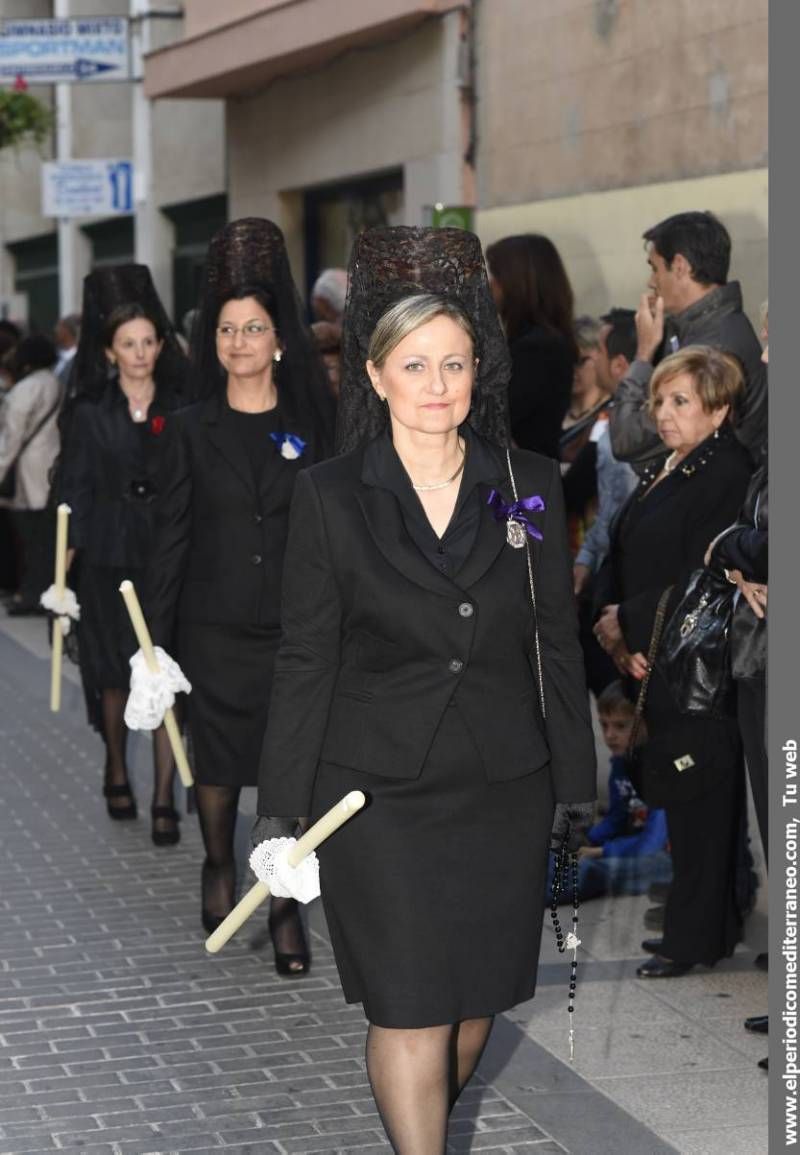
286	931
217	808
409	1075
163	777
466	1047
115	736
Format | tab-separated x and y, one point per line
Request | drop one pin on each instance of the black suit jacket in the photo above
108	475
377	643
659	539
219	540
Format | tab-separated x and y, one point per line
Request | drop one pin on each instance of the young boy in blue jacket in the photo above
626	850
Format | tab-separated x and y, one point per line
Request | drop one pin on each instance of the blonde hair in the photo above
717	377
408	314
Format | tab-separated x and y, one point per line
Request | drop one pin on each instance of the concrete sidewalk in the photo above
118	1033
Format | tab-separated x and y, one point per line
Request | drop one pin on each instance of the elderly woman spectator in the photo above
535	302
28	446
692	763
328	298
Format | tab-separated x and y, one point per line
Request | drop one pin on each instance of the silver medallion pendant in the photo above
515	534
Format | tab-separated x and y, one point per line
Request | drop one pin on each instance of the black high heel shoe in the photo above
287	964
168	837
120	813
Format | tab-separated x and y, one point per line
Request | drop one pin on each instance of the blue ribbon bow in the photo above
296	443
517	511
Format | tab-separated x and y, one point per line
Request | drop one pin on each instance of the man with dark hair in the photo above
689	301
615	479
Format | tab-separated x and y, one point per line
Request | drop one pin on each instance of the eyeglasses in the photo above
253	329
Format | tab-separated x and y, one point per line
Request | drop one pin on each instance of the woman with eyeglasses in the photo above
264	414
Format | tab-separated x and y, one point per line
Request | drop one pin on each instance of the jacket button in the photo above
455	665
466	610
257	518
256	559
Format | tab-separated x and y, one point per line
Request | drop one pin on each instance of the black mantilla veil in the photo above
387	264
105	290
251	253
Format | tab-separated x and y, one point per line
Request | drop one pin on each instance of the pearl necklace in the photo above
441	484
138	405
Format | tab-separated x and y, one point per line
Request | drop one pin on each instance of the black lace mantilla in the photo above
105	290
252	252
387	264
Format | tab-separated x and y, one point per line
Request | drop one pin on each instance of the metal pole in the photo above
68	287
141	123
153	238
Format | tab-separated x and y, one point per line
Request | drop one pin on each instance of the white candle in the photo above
60	581
322	829
146	646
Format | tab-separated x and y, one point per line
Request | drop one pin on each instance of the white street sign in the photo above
88	48
87	188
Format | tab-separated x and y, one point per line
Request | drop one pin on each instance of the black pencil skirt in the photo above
434	892
230	669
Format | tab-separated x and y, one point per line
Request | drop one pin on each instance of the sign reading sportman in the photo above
83	50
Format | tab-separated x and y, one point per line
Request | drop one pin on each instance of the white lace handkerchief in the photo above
269	863
65	607
152	694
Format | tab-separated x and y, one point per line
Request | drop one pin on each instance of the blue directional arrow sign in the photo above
57	73
84	50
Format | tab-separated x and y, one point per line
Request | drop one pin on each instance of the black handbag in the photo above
689	759
697	751
694	657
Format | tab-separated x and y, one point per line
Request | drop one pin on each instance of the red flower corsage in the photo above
157	424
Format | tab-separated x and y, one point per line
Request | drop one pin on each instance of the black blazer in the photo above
377	643
659	538
108	475
542	370
219	542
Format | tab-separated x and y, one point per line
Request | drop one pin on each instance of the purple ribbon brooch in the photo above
290	446
516	517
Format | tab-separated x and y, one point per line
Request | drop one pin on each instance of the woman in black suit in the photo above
128	377
660	537
410	669
228	476
535	303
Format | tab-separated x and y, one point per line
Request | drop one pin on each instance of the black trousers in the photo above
702	922
751	710
36	535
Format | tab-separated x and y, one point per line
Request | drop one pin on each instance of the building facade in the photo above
179	189
588	120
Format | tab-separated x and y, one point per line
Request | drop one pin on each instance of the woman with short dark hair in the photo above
535	301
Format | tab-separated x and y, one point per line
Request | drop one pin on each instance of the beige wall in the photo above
583	94
20	195
189	159
388	107
599	234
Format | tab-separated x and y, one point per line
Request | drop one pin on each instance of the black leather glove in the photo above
573	817
264	828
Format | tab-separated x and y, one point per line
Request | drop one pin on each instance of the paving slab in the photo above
118	1033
